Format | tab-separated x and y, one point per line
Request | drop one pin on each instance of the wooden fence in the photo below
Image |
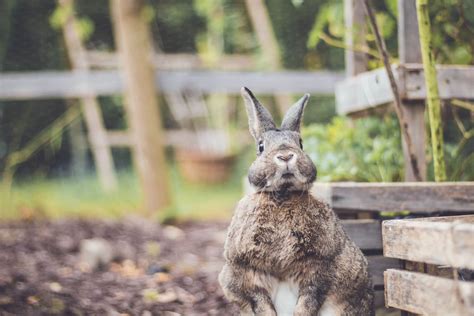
76	84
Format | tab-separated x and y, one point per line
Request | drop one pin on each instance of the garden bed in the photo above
161	272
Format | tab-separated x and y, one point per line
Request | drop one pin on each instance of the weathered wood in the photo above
378	265
409	52
443	241
366	90
417	197
131	31
415	116
64	84
182	61
428	295
366	233
96	131
354	19
371	89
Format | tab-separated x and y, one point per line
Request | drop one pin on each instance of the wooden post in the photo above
136	55
409	52
355	28
96	131
268	44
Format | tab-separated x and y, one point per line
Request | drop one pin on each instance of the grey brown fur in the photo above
281	233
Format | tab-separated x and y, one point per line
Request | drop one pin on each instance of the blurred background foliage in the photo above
310	36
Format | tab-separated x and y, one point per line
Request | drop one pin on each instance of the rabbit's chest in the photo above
271	243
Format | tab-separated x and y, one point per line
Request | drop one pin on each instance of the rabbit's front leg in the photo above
248	289
310	300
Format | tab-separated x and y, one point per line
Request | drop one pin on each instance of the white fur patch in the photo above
330	308
285	297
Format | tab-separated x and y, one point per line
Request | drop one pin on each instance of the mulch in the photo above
162	270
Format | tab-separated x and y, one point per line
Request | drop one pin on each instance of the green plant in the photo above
368	149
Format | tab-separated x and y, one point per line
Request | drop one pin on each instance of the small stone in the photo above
173	233
95	252
55	287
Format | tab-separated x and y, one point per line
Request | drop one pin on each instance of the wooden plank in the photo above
446	241
378	265
409	51
366	233
454	81
372	88
417	197
366	90
73	84
415	117
428	295
102	154
354	20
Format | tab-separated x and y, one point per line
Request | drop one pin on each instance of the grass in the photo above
83	197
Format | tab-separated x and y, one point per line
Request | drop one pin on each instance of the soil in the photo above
157	270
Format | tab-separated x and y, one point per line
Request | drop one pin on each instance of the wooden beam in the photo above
417	197
367	234
131	32
102	154
355	29
441	240
428	295
372	88
73	84
409	52
378	265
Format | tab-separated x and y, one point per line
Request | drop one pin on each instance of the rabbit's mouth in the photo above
287	175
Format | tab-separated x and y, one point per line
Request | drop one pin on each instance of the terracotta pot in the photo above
202	167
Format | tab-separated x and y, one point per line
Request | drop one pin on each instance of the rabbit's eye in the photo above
260	146
301	143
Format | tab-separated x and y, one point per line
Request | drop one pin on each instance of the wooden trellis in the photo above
364	90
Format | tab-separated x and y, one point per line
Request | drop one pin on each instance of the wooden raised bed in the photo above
439	243
353	201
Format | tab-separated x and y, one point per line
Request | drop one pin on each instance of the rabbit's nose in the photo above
286	157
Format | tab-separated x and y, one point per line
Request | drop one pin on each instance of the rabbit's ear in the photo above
292	119
260	120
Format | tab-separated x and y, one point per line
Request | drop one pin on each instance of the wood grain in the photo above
443	241
417	197
72	84
372	88
367	234
428	295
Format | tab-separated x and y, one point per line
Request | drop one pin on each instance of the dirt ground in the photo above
155	271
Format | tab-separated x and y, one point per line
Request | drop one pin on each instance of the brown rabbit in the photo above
286	252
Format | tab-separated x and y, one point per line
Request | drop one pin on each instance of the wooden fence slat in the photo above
417	197
367	234
443	241
428	295
378	265
372	88
73	84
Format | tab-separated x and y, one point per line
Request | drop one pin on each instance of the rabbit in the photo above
286	252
